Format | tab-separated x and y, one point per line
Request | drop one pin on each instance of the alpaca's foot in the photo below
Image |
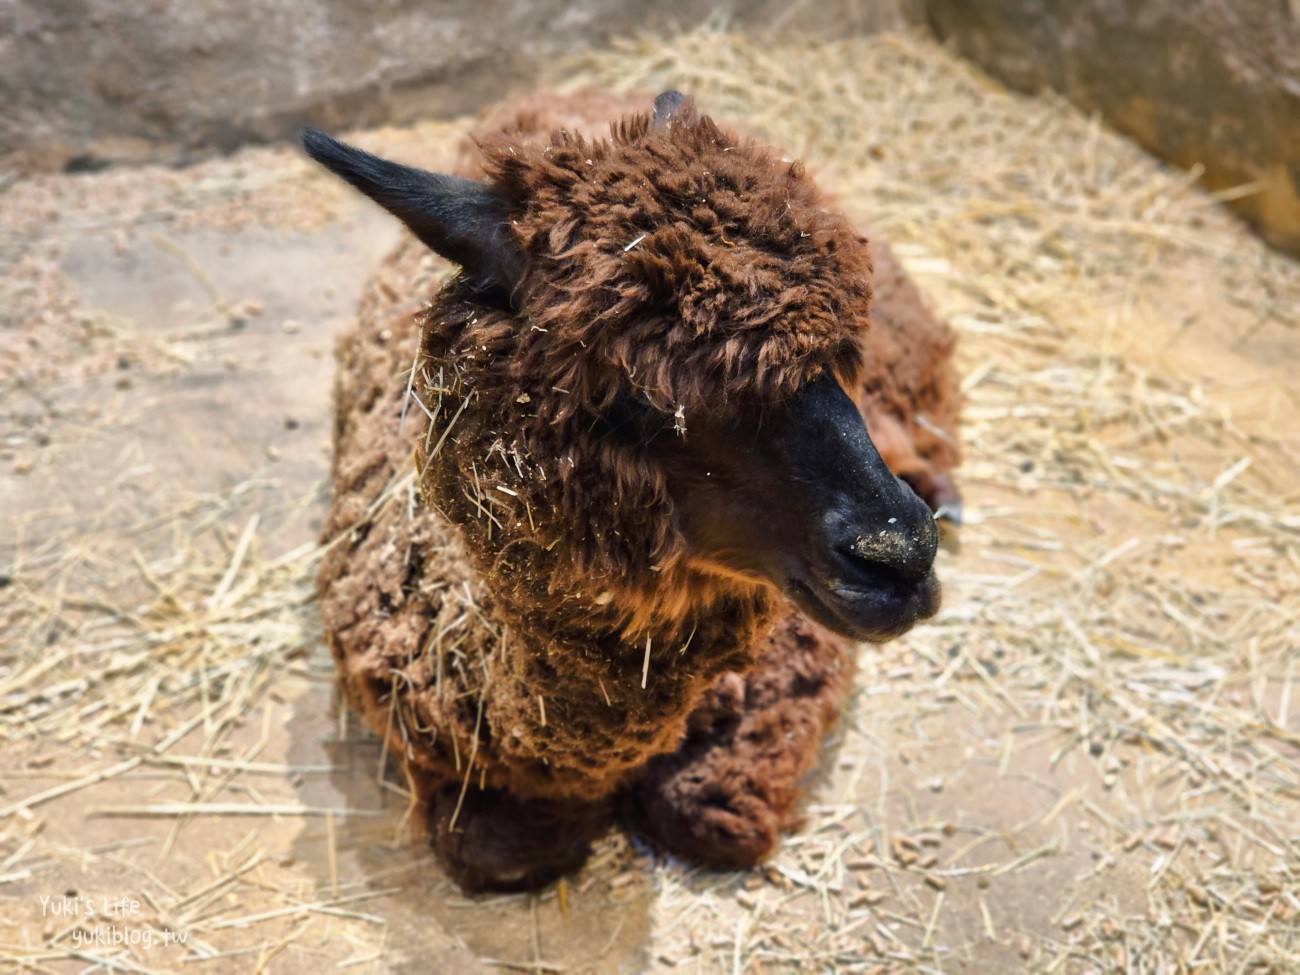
939	493
723	798
500	842
933	486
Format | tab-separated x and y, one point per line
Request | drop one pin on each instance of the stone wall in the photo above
88	82
1208	82
85	83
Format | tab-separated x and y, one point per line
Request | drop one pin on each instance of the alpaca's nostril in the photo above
890	558
867	574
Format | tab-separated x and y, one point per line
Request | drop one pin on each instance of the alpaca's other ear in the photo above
459	219
666	105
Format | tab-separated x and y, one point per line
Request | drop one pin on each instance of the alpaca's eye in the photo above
634	417
629	401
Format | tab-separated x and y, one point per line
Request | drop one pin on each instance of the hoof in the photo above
500	842
945	501
938	492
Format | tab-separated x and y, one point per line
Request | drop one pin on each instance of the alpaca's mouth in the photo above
884	608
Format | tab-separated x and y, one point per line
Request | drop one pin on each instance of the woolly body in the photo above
509	598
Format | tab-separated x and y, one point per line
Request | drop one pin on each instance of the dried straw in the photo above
1088	762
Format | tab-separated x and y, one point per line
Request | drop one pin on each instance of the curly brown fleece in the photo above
683	265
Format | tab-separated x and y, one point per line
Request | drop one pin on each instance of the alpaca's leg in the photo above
723	797
501	842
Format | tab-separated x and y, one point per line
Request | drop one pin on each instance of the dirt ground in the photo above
1088	762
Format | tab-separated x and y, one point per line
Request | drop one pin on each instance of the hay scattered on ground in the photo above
1088	762
209	634
1128	584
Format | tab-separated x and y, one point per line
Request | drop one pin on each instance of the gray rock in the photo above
84	83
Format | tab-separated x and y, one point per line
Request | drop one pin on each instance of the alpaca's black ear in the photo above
666	105
457	218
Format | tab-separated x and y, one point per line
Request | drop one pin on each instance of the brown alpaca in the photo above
608	557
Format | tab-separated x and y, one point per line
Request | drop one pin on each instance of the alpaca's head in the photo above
646	357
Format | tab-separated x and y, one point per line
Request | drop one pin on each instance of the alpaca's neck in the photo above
688	618
588	680
593	679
